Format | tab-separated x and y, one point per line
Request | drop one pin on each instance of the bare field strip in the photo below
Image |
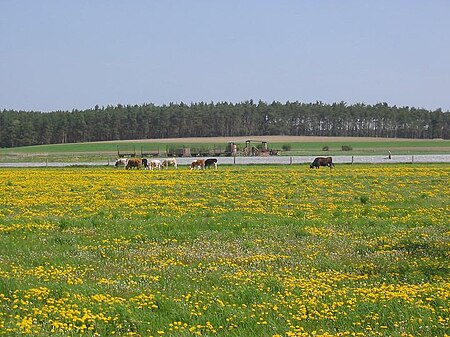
272	139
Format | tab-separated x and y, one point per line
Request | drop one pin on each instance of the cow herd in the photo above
156	164
204	164
201	164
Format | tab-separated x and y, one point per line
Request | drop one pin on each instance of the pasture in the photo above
361	250
294	145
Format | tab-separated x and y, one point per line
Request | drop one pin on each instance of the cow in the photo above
199	163
155	164
170	162
121	162
145	163
211	162
133	162
322	161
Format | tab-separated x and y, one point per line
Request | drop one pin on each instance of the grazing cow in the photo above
211	162
121	162
322	161
133	162
170	162
155	164
200	164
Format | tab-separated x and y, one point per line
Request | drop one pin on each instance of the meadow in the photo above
361	250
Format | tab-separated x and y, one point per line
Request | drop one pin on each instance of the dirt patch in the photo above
272	139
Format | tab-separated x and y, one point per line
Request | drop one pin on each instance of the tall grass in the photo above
241	251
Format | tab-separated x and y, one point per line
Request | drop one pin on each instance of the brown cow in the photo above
322	161
200	164
133	162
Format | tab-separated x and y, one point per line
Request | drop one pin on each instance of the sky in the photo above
65	55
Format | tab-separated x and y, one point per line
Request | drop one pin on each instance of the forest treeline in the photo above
22	128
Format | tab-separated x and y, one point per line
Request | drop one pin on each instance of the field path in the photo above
272	139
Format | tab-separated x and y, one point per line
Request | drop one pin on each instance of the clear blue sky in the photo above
64	55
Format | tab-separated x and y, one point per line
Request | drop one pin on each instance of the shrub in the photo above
347	148
286	147
364	199
325	148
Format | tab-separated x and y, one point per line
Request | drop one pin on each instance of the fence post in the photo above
352	160
290	160
234	160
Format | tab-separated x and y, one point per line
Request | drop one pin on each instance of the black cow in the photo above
322	161
211	162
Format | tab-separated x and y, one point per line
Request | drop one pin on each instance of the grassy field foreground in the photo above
360	250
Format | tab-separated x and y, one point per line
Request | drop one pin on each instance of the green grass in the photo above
362	147
241	251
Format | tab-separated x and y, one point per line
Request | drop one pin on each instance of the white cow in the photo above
121	162
155	164
170	162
